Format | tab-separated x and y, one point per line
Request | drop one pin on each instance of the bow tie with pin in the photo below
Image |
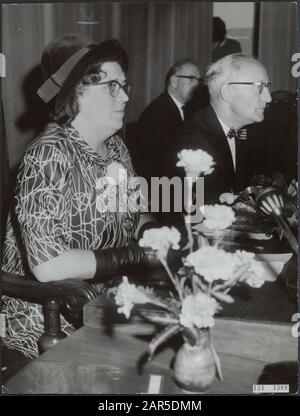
237	134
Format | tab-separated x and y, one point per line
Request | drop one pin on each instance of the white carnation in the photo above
116	173
198	310
227	198
161	240
127	296
195	162
212	263
254	272
218	217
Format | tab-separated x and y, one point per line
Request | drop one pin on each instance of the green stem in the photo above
218	238
216	358
188	216
193	283
190	335
177	287
162	305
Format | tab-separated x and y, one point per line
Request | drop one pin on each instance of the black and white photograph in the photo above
149	188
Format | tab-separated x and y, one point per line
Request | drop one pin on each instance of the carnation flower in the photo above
128	295
254	271
212	263
227	198
255	280
198	310
106	199
243	256
116	172
161	240
106	186
195	162
218	217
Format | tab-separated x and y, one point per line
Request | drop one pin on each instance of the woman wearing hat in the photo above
62	193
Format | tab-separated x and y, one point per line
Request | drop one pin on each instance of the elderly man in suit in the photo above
160	120
239	92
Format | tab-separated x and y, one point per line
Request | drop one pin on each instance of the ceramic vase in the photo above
194	367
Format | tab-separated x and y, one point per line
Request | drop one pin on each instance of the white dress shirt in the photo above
231	142
178	105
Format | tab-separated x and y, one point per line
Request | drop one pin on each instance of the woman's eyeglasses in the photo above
261	85
114	87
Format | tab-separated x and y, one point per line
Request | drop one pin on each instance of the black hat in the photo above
65	61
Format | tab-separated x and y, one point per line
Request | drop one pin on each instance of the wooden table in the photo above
106	356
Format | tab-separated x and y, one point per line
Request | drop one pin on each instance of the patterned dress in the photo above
61	201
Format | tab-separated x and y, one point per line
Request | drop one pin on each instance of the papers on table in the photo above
273	264
232	233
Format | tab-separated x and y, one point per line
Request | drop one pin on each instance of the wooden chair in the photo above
67	296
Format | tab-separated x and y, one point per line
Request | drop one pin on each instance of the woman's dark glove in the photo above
123	260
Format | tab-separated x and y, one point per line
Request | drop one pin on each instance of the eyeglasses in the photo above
191	77
114	87
261	85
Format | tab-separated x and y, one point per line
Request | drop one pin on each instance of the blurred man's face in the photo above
249	101
186	80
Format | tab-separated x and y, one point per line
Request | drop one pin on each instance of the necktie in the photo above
237	134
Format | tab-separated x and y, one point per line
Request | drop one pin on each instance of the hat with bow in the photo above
66	60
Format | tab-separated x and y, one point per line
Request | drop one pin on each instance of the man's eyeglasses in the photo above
191	77
261	85
114	87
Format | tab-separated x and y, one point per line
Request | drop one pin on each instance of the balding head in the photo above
239	89
224	71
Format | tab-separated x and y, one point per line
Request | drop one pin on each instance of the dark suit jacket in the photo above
230	46
203	131
156	132
274	140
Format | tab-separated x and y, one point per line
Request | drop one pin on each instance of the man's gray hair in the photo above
219	73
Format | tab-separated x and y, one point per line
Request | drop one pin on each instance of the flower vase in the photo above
194	366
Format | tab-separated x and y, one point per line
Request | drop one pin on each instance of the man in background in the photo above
160	120
221	45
